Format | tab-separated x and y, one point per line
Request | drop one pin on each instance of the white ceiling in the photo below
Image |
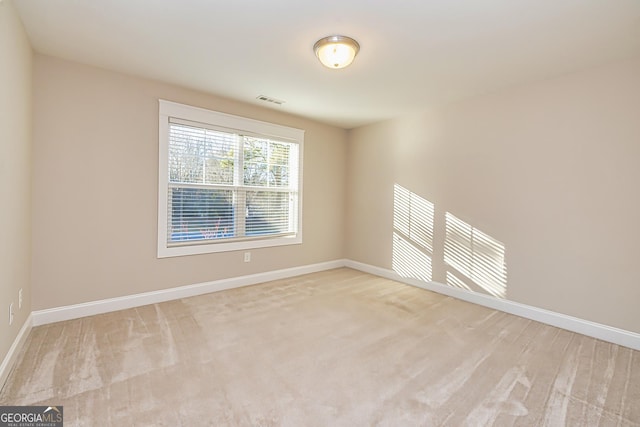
414	53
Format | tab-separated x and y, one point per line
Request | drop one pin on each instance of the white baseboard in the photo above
41	317
585	327
563	321
15	348
75	311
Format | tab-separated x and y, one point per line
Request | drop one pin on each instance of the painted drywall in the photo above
550	170
15	173
95	188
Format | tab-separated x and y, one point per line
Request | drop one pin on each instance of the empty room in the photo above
346	213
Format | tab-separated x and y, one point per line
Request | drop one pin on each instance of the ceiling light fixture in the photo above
336	51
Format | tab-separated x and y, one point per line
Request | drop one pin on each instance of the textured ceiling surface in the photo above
414	54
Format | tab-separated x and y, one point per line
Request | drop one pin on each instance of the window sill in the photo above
206	248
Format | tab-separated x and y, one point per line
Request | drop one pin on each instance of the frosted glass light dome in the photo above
336	51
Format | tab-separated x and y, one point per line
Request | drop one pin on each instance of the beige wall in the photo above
549	169
95	188
15	173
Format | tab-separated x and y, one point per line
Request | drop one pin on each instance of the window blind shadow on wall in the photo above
474	258
412	234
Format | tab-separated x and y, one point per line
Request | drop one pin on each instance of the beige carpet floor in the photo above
336	348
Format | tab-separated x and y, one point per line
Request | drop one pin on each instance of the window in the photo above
226	182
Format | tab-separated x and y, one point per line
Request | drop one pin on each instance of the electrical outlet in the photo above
20	298
10	313
247	257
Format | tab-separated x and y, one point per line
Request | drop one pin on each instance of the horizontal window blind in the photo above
225	186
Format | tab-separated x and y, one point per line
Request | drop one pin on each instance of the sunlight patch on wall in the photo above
412	234
410	262
413	217
452	280
476	256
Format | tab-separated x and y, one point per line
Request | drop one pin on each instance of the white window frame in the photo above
172	110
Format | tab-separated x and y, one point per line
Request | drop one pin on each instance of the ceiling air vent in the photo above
269	99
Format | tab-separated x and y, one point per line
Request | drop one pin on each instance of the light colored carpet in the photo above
336	348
